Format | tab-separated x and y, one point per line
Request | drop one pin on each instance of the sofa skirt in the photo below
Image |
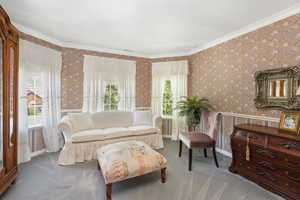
73	153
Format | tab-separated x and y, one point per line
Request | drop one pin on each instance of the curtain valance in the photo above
39	58
109	66
170	68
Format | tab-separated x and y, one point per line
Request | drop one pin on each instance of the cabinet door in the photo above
1	109
12	104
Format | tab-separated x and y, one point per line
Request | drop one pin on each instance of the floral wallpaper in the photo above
224	73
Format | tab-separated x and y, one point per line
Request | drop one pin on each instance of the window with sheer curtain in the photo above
109	84
39	92
169	84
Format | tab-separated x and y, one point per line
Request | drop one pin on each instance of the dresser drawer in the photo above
284	145
291	187
254	138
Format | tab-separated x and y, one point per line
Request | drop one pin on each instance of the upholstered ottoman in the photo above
124	160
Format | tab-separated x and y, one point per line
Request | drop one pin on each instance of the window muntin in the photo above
111	97
167	99
34	99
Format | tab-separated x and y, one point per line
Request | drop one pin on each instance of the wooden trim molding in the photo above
255	117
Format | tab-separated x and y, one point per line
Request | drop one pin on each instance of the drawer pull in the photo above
250	136
253	137
287	145
266	165
293	163
267	175
292	178
265	153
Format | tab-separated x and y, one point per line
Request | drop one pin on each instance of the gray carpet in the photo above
43	179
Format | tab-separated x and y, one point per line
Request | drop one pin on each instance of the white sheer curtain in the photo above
23	139
176	72
98	73
47	62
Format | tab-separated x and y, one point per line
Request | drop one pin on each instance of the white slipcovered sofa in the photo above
84	133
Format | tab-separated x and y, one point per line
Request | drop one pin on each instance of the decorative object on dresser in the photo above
9	54
273	160
289	121
277	88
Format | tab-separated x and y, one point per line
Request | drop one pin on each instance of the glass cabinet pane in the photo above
1	104
11	93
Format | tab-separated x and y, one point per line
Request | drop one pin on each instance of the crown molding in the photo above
249	28
60	43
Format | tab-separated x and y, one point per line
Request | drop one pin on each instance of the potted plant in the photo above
191	108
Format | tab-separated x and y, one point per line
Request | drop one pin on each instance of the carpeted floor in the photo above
43	179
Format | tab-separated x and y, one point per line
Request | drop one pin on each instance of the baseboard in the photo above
37	153
225	153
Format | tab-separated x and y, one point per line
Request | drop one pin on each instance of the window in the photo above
34	99
111	97
167	99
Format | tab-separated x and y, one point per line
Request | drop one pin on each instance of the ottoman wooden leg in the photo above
163	175
108	191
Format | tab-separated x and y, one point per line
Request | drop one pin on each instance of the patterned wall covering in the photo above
224	73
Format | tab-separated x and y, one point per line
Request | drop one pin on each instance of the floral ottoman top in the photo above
123	160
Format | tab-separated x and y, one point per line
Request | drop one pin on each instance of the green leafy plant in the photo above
191	108
167	99
111	97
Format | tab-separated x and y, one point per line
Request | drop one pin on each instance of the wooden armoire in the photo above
9	58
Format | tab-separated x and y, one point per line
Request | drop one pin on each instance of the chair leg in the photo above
163	175
108	191
205	152
190	159
180	148
215	157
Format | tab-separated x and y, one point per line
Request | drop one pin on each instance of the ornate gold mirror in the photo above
276	88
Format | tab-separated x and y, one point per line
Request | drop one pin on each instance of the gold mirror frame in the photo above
262	99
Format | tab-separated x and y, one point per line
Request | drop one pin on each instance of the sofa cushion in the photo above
100	134
88	135
143	129
81	121
142	117
112	119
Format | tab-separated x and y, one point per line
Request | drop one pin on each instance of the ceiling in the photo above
148	28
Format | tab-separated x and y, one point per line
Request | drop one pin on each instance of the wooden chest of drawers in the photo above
274	161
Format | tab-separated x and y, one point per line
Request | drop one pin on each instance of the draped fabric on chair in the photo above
47	63
98	73
176	72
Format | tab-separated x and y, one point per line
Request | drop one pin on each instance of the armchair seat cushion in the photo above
196	139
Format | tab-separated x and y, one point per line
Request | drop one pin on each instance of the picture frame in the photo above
290	121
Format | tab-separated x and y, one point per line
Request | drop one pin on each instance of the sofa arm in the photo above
157	122
65	126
